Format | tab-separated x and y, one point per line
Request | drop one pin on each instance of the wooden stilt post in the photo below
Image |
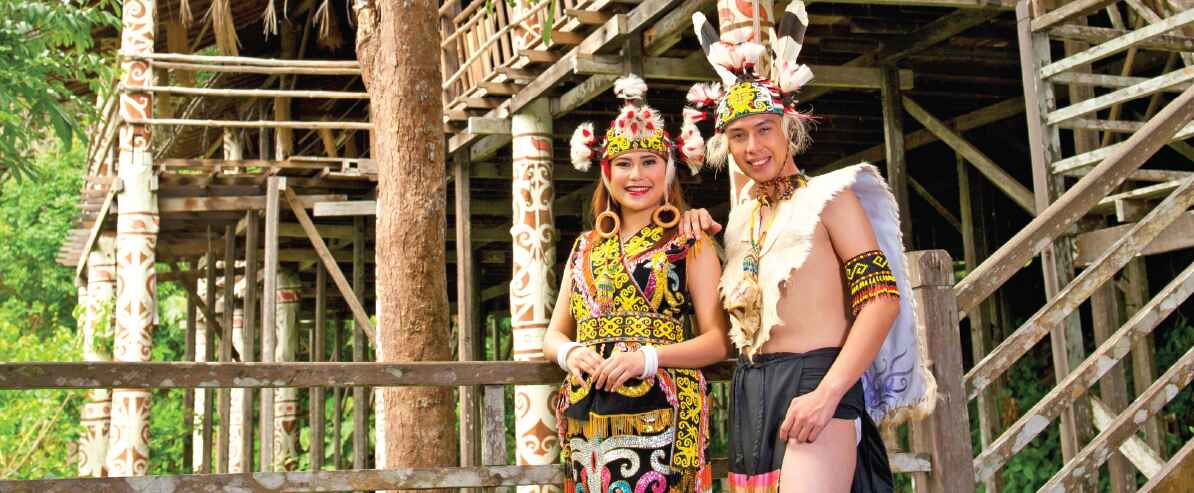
931	275
248	353
1105	319
893	139
1056	264
1144	364
188	400
209	350
316	400
988	410
337	396
269	312
466	308
360	395
225	395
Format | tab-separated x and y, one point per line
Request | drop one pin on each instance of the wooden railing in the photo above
934	456
1102	167
485	51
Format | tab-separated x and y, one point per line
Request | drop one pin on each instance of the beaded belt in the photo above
643	327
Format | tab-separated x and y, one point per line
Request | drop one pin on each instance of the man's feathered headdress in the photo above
754	80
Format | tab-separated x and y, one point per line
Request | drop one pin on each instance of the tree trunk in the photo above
412	300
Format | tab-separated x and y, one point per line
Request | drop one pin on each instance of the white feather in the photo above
581	151
791	76
692	144
630	87
704	94
716	151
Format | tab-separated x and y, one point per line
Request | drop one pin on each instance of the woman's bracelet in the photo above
650	361
562	353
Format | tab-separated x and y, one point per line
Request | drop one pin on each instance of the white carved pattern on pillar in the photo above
735	19
236	428
136	239
99	299
533	283
286	439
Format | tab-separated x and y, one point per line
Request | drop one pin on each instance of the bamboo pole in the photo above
251	124
489	42
252	93
240	60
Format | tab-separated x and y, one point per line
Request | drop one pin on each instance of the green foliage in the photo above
38	428
35	215
44	46
1040	459
1174	340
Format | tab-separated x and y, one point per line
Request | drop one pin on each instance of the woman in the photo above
633	415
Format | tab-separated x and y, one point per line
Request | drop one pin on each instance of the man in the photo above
814	282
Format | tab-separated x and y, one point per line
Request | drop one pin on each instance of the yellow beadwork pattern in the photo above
612	309
617	143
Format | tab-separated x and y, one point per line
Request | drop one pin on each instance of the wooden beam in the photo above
1178	236
234	204
1117	45
669	29
360	332
1140	90
1076	383
1005	182
934	203
1058	308
316	405
969	121
1076	165
1065	12
1147	404
329	262
1178	474
697	69
1142	456
345	208
1098	35
1104	80
893	145
488	126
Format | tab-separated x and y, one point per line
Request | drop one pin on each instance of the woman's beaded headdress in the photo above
638	127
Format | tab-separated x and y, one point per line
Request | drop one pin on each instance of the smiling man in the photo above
814	282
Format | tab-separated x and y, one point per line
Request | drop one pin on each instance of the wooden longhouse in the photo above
1042	142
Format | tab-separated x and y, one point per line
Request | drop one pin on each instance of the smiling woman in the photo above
633	411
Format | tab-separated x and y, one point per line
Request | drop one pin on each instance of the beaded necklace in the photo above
769	194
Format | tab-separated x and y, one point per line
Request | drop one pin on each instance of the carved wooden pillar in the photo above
533	285
136	241
99	298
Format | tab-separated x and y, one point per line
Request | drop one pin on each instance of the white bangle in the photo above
562	353
650	361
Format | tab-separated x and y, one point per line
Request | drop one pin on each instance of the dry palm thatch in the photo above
224	27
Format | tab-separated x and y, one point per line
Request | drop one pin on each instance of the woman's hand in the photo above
619	368
695	221
808	415
582	360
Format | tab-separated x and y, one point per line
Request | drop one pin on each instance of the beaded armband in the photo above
869	278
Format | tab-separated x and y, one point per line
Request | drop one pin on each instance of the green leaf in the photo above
549	22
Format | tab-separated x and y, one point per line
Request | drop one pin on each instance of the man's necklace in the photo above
768	193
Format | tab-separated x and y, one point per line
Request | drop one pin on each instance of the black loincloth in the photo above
762	391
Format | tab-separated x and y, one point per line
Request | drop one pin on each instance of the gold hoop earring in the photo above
666	208
608	217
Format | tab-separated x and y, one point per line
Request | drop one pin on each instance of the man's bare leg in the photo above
826	465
